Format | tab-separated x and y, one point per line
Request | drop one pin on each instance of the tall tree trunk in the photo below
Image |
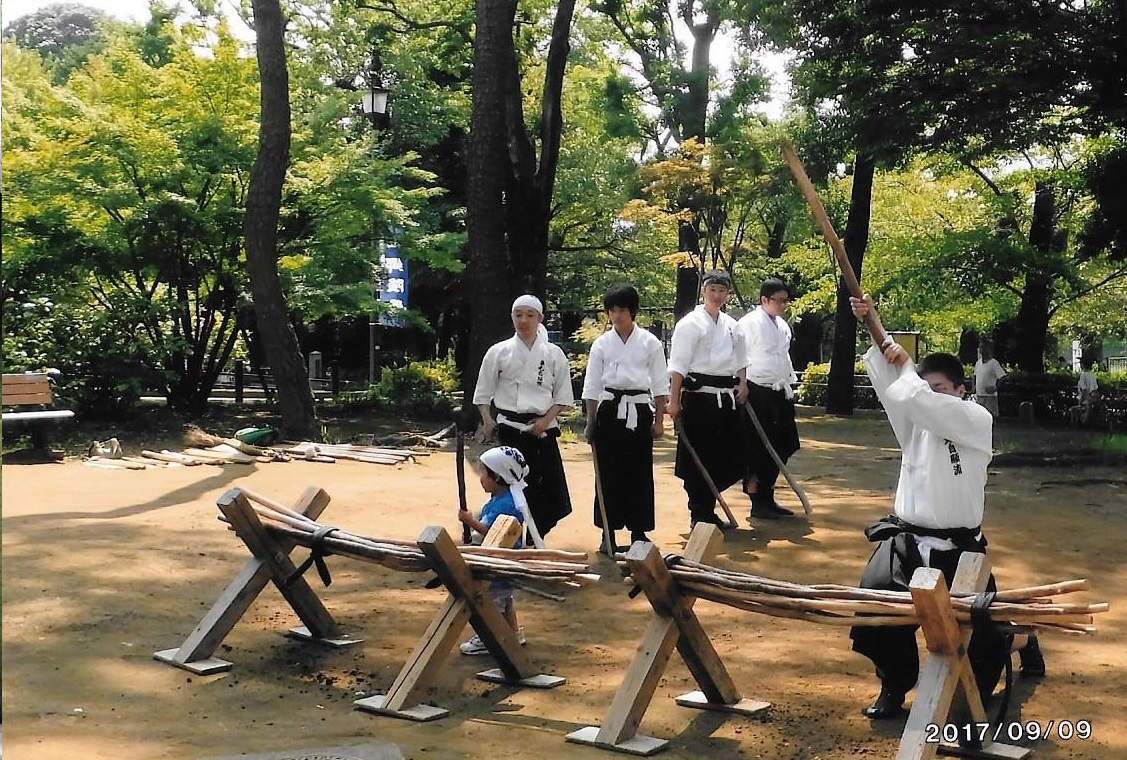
691	119
488	273
839	385
264	200
1032	324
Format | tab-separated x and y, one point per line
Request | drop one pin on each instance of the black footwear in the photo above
781	511
712	518
613	545
1032	661
761	507
890	704
637	535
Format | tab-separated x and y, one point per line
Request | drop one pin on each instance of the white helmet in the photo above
507	463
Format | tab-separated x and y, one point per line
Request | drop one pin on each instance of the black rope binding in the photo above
316	557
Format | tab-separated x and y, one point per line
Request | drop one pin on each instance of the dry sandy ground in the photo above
103	568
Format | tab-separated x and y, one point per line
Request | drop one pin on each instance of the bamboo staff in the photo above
876	331
679	428
460	474
608	534
801	494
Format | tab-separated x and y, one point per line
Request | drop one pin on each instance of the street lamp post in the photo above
374	104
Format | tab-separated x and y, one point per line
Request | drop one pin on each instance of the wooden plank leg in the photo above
673	624
468	601
947	674
195	654
301	597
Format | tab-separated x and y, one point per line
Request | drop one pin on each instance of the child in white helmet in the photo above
502	471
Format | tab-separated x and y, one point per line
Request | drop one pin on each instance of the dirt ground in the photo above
103	568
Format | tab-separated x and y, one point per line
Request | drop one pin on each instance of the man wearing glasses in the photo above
770	379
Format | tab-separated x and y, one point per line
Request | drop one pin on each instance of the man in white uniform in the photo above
707	372
987	373
625	391
523	384
770	379
938	509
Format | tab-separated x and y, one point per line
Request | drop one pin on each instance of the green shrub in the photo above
420	388
812	389
105	365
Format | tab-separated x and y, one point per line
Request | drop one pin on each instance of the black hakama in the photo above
776	414
712	424
625	467
546	492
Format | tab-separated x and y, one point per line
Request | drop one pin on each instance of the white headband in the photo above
529	301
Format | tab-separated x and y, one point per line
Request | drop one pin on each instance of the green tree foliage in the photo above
129	181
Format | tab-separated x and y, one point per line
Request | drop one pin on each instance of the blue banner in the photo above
393	284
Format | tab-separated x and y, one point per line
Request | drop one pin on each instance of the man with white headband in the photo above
707	372
523	384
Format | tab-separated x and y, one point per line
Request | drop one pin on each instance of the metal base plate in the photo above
539	681
421	713
988	750
638	744
696	699
204	667
301	632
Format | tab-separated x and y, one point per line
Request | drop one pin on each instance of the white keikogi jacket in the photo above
638	364
946	445
768	351
522	379
706	347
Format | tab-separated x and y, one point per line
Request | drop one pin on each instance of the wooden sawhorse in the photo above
271	562
468	600
947	693
673	624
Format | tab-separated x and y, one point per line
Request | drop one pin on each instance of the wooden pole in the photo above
608	534
679	428
801	494
875	330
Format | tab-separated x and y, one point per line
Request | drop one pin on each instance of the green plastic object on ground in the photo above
258	436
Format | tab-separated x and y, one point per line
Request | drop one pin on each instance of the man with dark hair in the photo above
770	378
938	509
707	372
625	391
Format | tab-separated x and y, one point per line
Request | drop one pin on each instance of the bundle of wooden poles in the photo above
846	605
484	563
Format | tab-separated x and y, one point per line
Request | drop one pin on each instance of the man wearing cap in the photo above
707	372
523	384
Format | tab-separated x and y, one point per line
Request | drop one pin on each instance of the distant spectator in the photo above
987	373
1089	392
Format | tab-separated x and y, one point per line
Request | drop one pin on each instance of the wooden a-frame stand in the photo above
673	624
947	693
468	600
271	562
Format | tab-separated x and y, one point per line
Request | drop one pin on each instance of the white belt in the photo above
718	392
626	407
523	427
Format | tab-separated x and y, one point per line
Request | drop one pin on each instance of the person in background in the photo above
625	391
1088	391
708	374
527	381
987	373
770	379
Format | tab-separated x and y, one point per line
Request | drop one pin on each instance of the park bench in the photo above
27	400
